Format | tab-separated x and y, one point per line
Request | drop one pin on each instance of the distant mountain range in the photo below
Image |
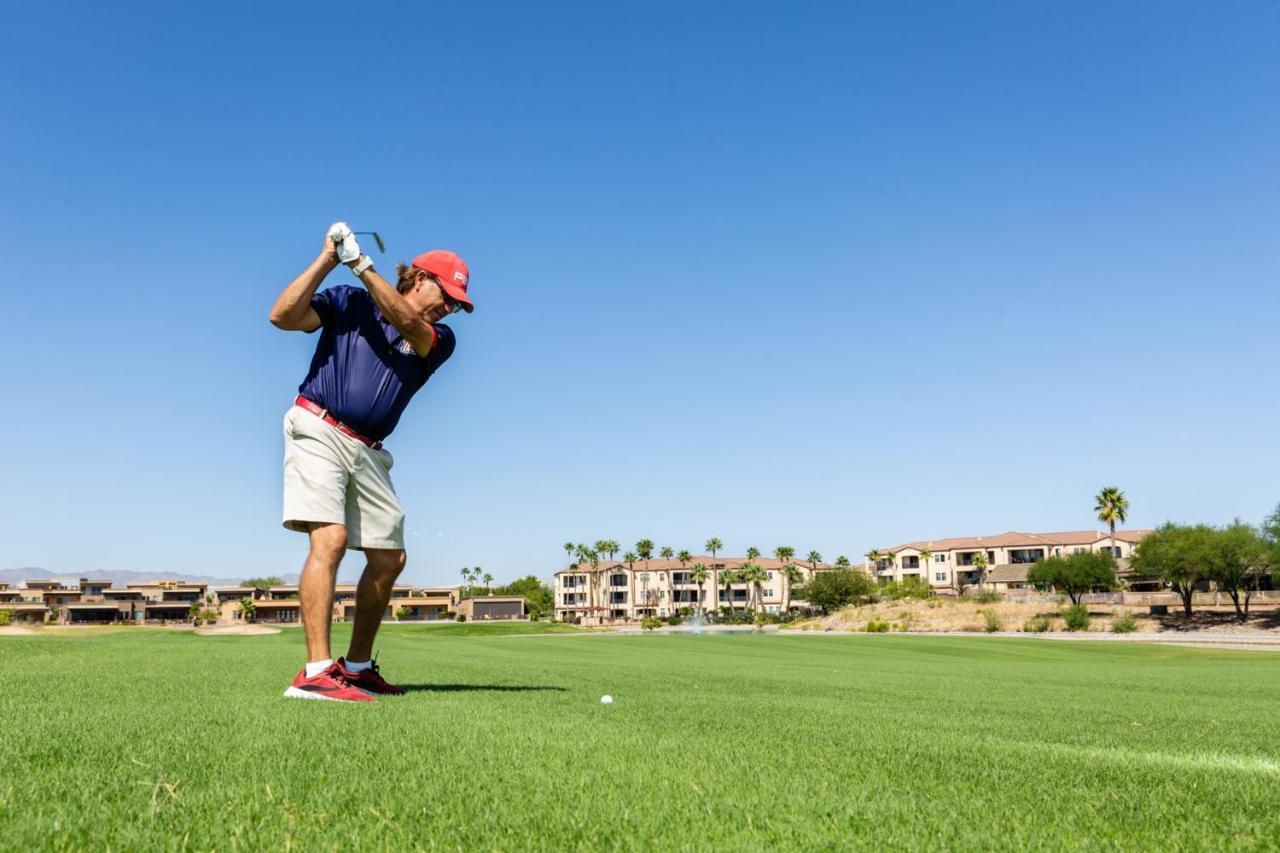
13	577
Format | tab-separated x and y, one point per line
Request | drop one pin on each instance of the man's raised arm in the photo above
398	312
292	311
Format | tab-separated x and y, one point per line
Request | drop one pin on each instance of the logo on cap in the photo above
457	276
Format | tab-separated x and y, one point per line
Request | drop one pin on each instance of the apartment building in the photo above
614	591
97	601
949	565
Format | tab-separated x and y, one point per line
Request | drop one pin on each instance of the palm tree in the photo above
980	562
629	558
873	557
644	551
595	580
755	576
793	576
842	562
602	547
925	556
814	558
782	553
699	576
247	609
891	559
488	579
684	557
1111	506
713	545
568	551
727	578
753	553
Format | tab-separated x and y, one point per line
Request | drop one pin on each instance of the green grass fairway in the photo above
152	739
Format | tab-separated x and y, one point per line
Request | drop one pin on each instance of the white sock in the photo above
358	667
316	667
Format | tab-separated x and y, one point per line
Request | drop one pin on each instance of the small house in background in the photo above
488	608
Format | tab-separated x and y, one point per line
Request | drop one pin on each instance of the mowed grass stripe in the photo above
159	740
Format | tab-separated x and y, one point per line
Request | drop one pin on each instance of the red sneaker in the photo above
368	679
330	684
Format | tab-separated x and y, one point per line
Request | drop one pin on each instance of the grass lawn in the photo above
161	739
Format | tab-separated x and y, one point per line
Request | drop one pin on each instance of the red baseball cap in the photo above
452	272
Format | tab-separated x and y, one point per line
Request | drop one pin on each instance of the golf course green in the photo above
153	739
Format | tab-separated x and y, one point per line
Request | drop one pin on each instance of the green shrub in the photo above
987	596
1076	617
6	617
1038	625
402	613
876	626
909	587
673	619
991	620
462	617
650	622
1124	623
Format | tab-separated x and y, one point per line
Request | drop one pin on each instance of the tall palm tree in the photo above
466	580
713	545
644	551
873	557
892	559
753	553
699	576
614	548
596	581
783	553
568	551
488	579
629	558
727	578
247	609
814	558
684	557
1111	506
755	576
602	547
794	576
925	556
842	562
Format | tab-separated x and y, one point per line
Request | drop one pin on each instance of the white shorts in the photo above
332	478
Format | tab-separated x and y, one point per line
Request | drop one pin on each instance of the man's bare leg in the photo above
372	596
315	587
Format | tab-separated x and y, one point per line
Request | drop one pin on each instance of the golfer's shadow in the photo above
462	688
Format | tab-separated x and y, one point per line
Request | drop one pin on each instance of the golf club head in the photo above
382	247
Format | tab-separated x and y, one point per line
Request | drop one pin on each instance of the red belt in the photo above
323	414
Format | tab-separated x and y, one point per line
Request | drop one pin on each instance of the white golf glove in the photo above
348	248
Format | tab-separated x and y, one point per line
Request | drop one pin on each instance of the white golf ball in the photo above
606	699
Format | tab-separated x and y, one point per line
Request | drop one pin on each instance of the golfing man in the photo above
378	346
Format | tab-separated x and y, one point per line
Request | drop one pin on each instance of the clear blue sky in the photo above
830	276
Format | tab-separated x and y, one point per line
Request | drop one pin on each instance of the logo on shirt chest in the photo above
405	347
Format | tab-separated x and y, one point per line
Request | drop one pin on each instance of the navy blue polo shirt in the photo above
364	371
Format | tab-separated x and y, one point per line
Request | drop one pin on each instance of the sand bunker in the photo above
15	630
236	630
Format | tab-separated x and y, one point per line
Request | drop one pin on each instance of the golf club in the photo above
382	247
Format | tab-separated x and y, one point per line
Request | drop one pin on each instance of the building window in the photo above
1078	550
939	558
939	576
768	593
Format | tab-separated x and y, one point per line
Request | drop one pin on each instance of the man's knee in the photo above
329	539
386	562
